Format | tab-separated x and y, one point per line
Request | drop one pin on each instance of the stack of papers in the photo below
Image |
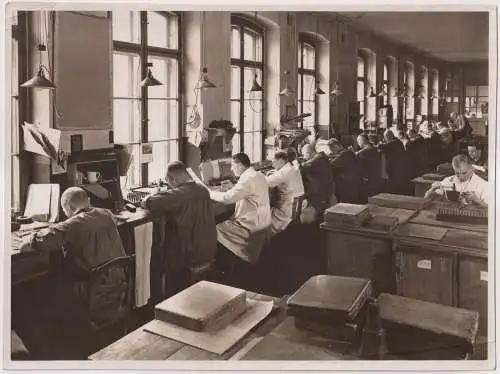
42	203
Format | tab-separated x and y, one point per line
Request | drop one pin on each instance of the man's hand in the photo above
471	197
432	191
26	246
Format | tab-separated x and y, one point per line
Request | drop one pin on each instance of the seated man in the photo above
287	184
190	237
88	238
346	173
317	177
370	164
396	164
245	233
478	158
472	188
416	151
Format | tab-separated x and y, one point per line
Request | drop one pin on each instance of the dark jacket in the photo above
189	224
318	181
347	176
370	164
434	150
417	153
397	166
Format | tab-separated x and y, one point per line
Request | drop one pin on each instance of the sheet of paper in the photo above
43	141
55	195
218	341
38	201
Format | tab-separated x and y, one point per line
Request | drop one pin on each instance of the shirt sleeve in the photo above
52	238
483	190
238	192
276	179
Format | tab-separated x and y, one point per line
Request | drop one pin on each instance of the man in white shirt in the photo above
287	184
471	187
245	233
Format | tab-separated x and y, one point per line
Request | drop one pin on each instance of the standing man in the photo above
396	163
370	164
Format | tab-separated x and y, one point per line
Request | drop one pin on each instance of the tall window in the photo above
307	77
149	114
409	79
476	101
435	95
424	91
386	83
18	100
247	107
361	88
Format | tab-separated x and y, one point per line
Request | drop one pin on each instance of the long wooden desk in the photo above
142	345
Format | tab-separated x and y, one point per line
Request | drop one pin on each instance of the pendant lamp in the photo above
150	80
256	87
372	93
204	82
336	90
286	91
317	90
39	80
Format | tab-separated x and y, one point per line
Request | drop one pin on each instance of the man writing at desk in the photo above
471	187
88	238
244	234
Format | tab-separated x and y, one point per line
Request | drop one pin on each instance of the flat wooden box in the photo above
422	330
399	201
350	214
330	299
203	306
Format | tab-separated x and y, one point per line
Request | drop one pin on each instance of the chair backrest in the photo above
297	208
109	293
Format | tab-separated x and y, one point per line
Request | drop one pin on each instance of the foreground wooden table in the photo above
142	345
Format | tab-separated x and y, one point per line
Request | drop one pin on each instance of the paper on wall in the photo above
43	141
218	341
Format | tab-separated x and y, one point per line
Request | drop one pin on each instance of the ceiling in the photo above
449	36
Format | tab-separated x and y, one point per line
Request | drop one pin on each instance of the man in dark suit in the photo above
317	177
370	164
397	163
417	152
346	173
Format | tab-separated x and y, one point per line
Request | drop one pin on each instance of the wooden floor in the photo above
284	266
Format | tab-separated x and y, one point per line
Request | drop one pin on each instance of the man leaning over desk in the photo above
470	186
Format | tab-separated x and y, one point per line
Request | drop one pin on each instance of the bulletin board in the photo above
82	76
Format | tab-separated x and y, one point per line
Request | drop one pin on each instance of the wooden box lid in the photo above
340	298
202	305
347	213
436	318
399	201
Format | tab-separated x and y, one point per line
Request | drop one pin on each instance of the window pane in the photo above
252	115
163	153
309	107
361	67
125	75
236	143
235	82
361	91
470	91
252	48
166	71
162	30
15	200
253	146
163	119
134	172
309	57
300	92
482	91
235	43
309	85
249	78
386	74
126	26
126	121
235	114
14	148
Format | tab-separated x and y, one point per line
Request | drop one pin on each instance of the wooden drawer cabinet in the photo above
364	257
473	288
425	275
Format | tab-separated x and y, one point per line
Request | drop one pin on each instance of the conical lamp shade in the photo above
318	90
336	91
150	80
39	81
204	82
256	87
372	93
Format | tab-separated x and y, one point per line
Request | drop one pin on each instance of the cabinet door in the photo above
365	257
473	288
425	275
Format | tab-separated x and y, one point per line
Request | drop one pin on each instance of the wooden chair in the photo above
113	301
297	208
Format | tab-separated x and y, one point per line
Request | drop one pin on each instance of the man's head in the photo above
308	151
412	134
177	174
363	140
418	118
373	139
462	167
74	199
453	116
279	160
475	151
389	135
239	163
446	135
335	146
291	153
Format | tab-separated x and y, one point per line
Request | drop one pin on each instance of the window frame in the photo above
144	52
241	22
304	39
386	82
364	79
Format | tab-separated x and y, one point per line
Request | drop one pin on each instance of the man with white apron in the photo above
246	232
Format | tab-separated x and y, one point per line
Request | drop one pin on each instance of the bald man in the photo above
88	238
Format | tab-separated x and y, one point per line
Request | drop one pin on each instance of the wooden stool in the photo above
422	330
